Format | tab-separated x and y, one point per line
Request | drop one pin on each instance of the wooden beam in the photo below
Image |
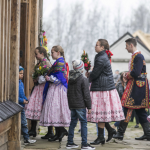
8	48
2	49
5	126
23	26
14	132
34	37
28	49
14	46
3	147
3	139
5	50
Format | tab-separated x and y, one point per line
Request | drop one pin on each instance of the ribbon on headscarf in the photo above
67	67
58	70
109	53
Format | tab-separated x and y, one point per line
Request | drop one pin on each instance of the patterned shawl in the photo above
59	71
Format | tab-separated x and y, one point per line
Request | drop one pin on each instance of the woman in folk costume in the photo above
106	105
55	109
136	94
34	107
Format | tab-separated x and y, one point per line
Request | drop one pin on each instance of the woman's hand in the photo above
87	74
47	78
89	111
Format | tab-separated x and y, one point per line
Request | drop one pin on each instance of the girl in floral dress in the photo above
55	109
106	105
34	107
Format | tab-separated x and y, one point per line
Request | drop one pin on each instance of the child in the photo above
120	87
34	108
22	101
55	110
78	99
106	105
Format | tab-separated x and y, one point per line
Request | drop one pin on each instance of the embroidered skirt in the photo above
106	107
55	110
34	107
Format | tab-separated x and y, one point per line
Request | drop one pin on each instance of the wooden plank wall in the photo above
5	24
16	15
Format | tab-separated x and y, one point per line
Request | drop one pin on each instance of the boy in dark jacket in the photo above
22	101
78	99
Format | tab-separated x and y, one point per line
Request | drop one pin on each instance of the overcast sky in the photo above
111	5
127	8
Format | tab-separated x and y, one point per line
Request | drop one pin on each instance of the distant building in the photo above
121	57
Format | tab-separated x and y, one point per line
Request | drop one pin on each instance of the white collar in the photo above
135	52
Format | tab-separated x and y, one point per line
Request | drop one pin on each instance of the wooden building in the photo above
19	28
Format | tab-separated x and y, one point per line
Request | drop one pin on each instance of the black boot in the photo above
100	138
110	130
62	133
49	134
121	130
56	136
146	129
32	132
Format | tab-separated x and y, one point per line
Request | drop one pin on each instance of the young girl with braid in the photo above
55	103
34	107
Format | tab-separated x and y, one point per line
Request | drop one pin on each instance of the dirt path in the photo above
127	144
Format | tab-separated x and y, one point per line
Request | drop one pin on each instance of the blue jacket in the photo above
21	93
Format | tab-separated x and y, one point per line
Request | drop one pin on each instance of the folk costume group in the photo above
64	97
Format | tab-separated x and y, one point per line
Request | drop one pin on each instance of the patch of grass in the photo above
42	134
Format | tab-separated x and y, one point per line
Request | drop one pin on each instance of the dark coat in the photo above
120	89
101	76
78	91
136	94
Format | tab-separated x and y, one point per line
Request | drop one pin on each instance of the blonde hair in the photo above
59	49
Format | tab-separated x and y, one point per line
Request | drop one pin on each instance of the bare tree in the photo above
141	19
118	21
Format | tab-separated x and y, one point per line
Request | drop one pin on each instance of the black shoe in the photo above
70	146
110	130
56	136
121	130
118	136
49	133
88	146
100	138
136	126
26	142
32	132
62	133
47	136
146	129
